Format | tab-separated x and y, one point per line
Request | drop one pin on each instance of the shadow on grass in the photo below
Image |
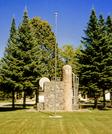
8	107
105	109
47	113
91	106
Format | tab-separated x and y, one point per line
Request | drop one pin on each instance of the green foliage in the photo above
88	71
69	56
8	63
29	55
46	42
96	56
108	60
5	95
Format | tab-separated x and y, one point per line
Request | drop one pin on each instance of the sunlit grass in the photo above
24	122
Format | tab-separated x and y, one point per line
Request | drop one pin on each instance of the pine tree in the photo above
8	64
105	67
108	68
29	55
103	44
90	59
95	71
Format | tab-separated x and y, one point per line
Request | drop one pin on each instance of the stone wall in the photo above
61	95
54	96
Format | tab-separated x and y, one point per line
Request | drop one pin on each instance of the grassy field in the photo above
25	122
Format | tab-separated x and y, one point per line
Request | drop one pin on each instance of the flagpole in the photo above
56	20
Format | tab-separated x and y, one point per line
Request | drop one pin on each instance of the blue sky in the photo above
72	19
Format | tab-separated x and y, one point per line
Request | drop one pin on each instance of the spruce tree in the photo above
8	65
108	68
29	55
103	44
95	61
105	67
90	59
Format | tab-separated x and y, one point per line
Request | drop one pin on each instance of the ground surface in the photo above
31	122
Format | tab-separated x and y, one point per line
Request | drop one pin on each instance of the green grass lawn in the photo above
24	122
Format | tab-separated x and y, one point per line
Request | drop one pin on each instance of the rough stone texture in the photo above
53	95
61	95
40	106
68	92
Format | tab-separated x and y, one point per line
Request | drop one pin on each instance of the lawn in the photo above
25	122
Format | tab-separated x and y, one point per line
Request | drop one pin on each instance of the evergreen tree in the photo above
105	67
8	64
29	55
90	59
103	45
95	61
108	68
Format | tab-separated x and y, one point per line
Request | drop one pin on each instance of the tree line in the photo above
30	55
96	58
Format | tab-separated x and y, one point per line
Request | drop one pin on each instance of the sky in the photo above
72	19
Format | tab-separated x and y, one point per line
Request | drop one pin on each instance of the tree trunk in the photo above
111	98
95	101
24	100
104	100
17	95
13	99
36	99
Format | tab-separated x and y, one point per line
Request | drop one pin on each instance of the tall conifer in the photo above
90	58
28	53
95	61
8	65
109	54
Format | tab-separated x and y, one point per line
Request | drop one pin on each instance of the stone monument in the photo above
67	80
60	95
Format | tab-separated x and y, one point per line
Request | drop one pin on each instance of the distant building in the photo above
107	95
